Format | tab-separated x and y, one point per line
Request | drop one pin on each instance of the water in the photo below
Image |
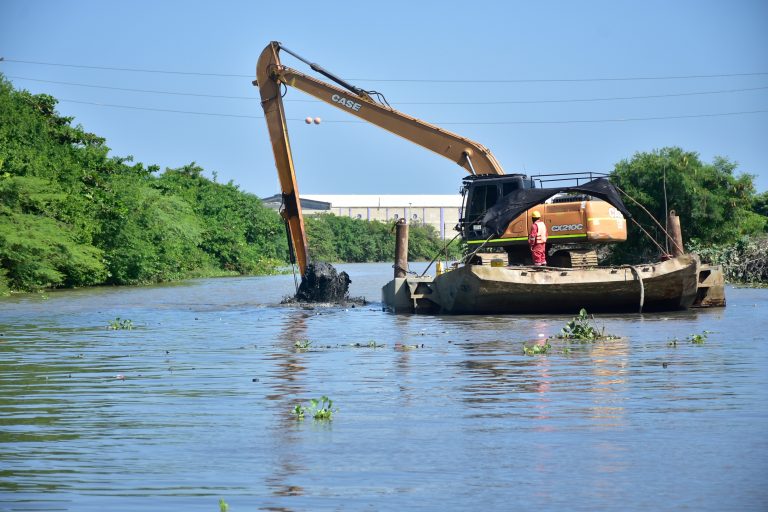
194	404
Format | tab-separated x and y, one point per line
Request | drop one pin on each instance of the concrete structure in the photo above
439	211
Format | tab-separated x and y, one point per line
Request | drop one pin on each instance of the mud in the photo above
322	283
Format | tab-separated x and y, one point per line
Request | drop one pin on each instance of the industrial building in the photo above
439	211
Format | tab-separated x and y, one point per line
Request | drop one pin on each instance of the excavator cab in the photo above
483	191
576	223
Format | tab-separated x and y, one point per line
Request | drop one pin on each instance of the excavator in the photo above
577	218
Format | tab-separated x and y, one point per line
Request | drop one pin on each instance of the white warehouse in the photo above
439	211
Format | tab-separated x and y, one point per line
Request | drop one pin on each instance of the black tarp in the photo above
509	207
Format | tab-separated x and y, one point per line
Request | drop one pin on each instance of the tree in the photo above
237	229
71	215
338	238
714	204
760	205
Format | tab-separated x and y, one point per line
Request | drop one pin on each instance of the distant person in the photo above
537	240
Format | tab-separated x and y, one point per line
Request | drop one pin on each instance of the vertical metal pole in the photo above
666	208
675	234
401	248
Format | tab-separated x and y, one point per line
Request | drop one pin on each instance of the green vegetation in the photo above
583	328
333	239
721	216
117	324
694	339
536	349
319	409
71	215
697	339
302	345
744	260
400	347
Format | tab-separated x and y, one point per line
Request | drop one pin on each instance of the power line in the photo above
573	121
137	70
553	80
621	120
502	102
131	107
416	80
152	91
579	100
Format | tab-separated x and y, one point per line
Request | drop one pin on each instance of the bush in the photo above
37	252
334	239
744	261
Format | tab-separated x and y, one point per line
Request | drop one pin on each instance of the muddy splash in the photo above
322	283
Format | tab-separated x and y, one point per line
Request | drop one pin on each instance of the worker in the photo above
537	240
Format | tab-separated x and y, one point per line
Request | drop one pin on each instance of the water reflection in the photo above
608	360
287	388
501	381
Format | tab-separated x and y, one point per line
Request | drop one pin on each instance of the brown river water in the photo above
194	405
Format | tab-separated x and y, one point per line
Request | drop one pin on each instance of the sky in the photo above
547	86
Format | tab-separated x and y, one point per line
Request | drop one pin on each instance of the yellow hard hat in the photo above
536	214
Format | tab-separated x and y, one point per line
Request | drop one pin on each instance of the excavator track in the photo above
573	258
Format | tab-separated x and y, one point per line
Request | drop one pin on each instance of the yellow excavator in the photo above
576	217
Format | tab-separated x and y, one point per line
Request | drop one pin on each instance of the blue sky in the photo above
544	84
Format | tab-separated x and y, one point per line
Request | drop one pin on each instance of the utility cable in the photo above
415	80
501	102
214	114
622	120
127	89
444	250
136	70
581	100
666	233
555	80
573	121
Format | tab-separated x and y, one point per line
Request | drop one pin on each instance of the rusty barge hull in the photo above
482	289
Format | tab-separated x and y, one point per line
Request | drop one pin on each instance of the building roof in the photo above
276	201
388	201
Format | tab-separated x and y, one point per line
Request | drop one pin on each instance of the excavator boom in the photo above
570	219
470	155
271	75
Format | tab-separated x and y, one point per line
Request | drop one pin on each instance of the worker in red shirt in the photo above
537	240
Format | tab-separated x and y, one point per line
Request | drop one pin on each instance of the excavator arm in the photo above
271	75
274	113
